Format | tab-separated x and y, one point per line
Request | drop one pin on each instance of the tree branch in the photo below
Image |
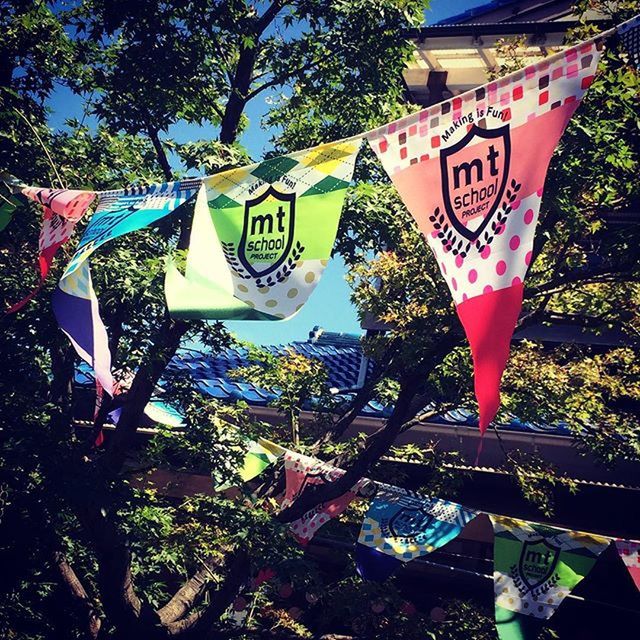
160	152
360	400
269	16
79	596
200	624
238	95
123	607
188	594
585	276
163	349
378	443
280	80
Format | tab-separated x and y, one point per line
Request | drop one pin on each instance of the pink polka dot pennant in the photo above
474	184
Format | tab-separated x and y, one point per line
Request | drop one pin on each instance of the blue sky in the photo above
330	305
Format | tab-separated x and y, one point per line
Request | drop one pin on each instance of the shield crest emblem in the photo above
409	522
267	233
538	561
474	174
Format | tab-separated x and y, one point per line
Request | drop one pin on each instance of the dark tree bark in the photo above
239	94
160	152
81	601
238	97
201	624
378	443
188	594
164	348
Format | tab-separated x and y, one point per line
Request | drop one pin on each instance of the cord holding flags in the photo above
470	170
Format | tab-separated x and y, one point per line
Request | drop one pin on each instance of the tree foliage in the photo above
89	547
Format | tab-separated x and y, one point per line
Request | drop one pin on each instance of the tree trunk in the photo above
238	97
160	152
79	596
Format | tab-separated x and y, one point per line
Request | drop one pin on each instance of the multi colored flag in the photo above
62	209
471	171
401	526
74	301
300	472
629	552
535	568
260	455
262	236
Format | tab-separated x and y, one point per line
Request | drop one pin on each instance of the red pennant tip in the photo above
489	321
99	441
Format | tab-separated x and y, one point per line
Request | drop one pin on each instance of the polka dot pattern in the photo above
499	265
282	299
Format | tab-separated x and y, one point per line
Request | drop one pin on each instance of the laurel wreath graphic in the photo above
229	250
446	235
536	593
460	246
230	254
285	270
501	216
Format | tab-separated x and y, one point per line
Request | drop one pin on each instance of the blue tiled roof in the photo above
342	361
475	12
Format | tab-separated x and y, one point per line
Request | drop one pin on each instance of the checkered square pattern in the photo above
323	169
535	90
629	34
432	523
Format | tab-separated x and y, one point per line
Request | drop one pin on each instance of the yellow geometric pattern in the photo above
371	535
328	158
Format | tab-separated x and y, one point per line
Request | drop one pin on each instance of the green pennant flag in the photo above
262	236
8	205
535	569
516	626
258	456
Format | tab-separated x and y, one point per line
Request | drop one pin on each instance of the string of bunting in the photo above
536	566
471	171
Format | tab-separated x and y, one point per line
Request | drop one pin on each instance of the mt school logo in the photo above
268	232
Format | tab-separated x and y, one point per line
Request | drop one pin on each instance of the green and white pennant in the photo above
535	569
262	236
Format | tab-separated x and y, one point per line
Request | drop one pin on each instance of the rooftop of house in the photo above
465	50
340	353
512	10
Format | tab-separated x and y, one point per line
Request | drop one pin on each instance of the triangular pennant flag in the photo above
62	209
74	301
259	457
164	413
262	236
629	551
629	33
404	526
471	171
301	471
535	567
375	565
